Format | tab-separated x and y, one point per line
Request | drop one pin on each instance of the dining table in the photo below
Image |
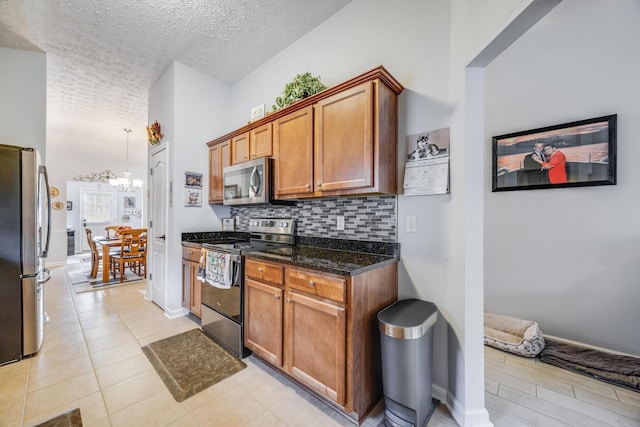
107	243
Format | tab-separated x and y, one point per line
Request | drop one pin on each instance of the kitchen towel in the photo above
218	269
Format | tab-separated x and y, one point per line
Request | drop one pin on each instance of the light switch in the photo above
411	224
340	222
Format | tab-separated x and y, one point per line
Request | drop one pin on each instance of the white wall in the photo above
192	109
23	78
579	278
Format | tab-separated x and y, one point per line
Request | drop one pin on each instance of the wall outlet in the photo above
340	222
411	224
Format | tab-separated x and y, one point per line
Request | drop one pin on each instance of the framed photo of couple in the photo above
572	154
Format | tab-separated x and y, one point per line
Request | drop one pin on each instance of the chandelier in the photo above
123	182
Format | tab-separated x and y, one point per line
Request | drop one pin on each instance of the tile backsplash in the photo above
370	218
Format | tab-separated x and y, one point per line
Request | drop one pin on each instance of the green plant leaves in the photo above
302	86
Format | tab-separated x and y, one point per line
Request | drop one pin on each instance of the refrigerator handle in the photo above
48	273
45	249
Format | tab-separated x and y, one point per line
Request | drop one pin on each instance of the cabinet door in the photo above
240	148
293	146
263	320
343	141
191	287
261	142
186	284
196	291
315	348
219	158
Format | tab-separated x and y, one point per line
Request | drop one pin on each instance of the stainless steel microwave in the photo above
247	183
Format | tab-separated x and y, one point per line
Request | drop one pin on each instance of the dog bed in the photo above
521	337
623	371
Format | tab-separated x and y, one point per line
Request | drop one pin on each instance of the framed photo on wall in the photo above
575	154
192	179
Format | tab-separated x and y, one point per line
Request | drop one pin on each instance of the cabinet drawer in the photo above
192	254
264	271
317	284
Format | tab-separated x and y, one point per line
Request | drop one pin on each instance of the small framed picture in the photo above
192	198
69	205
257	112
192	179
572	154
129	202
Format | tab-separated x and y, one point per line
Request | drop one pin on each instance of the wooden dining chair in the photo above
132	254
96	257
116	229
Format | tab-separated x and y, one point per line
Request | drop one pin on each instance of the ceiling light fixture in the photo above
124	183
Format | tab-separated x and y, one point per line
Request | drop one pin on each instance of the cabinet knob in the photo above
260	270
319	184
288	300
308	186
312	283
276	296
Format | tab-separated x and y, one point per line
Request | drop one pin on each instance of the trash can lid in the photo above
407	319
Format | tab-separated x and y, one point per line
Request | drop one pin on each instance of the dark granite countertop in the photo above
343	262
196	239
338	256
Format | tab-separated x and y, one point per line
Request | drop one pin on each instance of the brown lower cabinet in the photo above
191	286
320	328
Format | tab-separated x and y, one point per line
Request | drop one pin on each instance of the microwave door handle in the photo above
254	182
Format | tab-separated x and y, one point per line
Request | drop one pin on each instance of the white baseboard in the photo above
55	264
478	418
173	314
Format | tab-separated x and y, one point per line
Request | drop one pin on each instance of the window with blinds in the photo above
99	206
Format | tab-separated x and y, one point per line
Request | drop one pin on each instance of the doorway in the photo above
158	225
126	208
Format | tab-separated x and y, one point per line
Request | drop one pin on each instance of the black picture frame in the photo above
588	147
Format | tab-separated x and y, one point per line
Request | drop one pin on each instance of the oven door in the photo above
226	301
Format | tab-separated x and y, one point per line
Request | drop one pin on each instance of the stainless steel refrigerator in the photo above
25	213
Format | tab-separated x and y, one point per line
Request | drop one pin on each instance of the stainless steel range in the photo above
223	291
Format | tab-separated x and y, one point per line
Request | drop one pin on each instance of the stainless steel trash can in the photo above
406	341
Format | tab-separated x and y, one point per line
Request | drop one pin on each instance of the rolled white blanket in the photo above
522	337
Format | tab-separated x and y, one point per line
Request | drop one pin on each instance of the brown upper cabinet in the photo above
240	148
261	141
340	141
219	158
293	142
253	144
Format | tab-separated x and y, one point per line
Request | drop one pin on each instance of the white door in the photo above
158	225
97	210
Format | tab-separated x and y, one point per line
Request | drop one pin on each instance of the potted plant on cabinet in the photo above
302	86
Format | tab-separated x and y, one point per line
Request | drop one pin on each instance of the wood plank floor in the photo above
521	391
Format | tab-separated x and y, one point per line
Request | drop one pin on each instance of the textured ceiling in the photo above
103	56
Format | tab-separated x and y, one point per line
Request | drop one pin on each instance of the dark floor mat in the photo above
191	362
68	419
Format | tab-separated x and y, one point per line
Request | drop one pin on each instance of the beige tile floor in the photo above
91	359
